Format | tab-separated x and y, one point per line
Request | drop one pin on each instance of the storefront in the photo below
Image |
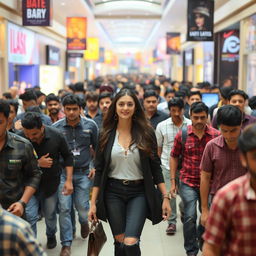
2	56
23	57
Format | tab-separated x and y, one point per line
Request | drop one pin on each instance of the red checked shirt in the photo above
193	151
232	223
222	162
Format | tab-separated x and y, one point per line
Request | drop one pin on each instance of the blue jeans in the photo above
167	180
127	208
48	207
190	196
81	185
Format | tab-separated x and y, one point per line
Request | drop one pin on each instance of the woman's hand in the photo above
92	214
166	209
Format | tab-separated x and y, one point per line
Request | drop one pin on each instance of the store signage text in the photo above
36	12
17	42
231	45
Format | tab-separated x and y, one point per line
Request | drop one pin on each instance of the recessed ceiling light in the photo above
63	3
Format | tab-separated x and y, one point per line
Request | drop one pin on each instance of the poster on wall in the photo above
52	55
92	51
36	12
229	56
76	33
173	43
200	20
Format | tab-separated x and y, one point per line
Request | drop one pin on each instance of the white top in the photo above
163	107
165	134
125	164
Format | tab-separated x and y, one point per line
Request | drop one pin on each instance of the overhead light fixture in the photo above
63	3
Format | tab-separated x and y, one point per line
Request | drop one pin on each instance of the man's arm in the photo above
211	250
204	194
173	169
159	151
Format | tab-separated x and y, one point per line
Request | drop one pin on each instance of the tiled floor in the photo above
154	241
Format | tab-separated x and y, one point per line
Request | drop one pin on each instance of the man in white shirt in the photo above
165	133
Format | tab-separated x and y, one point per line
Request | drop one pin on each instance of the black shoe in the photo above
51	242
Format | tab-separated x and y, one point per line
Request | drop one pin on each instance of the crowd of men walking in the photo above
47	152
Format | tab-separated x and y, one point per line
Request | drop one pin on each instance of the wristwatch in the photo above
23	204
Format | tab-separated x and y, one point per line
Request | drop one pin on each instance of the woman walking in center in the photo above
127	170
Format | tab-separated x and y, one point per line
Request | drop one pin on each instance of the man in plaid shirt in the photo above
17	237
198	135
230	228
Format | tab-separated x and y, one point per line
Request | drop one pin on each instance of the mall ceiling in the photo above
127	25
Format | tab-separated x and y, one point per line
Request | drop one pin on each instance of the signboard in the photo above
36	12
200	20
75	54
22	45
102	55
173	43
92	51
76	33
52	55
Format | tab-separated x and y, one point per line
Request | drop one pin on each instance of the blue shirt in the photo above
80	138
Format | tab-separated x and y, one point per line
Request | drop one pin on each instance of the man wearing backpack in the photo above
198	135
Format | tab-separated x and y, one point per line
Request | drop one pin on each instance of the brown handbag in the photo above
97	238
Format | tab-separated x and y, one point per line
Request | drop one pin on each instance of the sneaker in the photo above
51	242
84	230
171	229
65	251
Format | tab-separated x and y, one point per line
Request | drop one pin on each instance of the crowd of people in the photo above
121	149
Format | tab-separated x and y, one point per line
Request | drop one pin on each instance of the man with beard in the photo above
165	134
230	228
105	100
220	163
150	101
54	107
198	135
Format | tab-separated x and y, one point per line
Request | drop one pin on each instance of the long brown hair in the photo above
142	132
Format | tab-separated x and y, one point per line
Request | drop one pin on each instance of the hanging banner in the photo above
52	55
173	43
200	20
92	50
76	33
36	12
102	55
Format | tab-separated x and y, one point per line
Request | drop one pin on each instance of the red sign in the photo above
36	12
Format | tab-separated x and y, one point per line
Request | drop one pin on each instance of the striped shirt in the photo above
165	134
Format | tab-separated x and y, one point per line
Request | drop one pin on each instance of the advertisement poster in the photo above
200	20
229	56
52	55
173	43
102	55
36	12
22	46
92	50
76	33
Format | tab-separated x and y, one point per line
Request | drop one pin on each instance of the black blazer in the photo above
152	174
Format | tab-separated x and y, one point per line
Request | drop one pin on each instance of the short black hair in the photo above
105	95
39	93
34	109
150	93
28	95
229	115
92	95
167	91
195	93
224	91
71	99
51	97
31	120
14	103
4	108
7	95
180	94
198	107
176	102
247	140
252	102
237	92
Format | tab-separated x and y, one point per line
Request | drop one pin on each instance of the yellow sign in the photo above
92	50
108	57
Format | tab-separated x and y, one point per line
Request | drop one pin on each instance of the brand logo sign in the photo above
231	44
21	45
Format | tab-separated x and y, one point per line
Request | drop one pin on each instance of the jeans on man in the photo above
173	217
48	208
190	196
81	193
